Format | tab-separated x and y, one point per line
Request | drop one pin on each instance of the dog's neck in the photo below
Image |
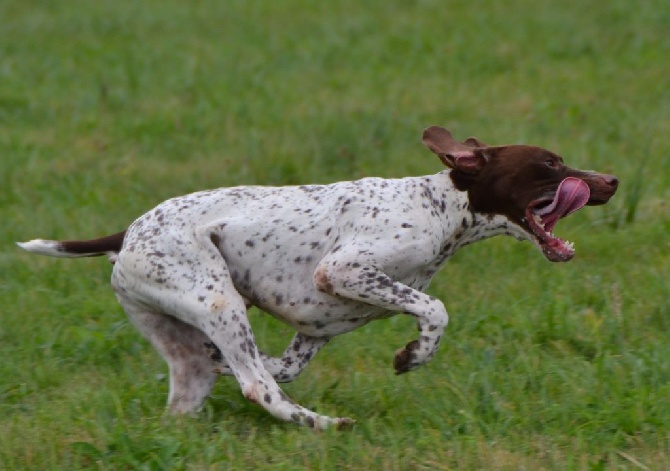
463	225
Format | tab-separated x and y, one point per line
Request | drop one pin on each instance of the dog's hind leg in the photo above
230	331
192	374
199	291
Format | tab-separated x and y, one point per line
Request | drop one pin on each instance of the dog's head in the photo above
530	186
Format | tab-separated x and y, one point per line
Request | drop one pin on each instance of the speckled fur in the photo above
325	259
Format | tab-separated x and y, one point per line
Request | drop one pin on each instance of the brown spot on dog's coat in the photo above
322	281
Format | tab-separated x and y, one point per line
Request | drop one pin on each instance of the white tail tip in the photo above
43	247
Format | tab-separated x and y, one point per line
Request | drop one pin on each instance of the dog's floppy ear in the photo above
468	157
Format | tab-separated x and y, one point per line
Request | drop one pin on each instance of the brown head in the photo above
530	186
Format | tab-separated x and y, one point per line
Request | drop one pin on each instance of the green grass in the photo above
107	108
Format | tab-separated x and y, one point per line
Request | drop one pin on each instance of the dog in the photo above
325	259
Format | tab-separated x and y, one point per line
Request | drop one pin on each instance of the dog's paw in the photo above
344	424
405	358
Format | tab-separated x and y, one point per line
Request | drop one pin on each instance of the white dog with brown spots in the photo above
325	259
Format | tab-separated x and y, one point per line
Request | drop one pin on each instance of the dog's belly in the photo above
326	319
293	298
317	314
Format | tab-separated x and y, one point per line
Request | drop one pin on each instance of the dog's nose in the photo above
611	180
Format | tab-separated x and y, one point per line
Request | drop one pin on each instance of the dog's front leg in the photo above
295	358
369	285
285	369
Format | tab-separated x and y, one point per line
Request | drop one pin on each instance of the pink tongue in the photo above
572	194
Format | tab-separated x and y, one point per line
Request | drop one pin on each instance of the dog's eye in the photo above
550	163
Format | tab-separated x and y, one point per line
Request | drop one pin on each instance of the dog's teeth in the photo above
538	220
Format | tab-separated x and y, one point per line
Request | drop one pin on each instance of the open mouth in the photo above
543	214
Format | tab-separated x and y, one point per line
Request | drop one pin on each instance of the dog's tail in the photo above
109	245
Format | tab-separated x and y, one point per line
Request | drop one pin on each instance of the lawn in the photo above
108	108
